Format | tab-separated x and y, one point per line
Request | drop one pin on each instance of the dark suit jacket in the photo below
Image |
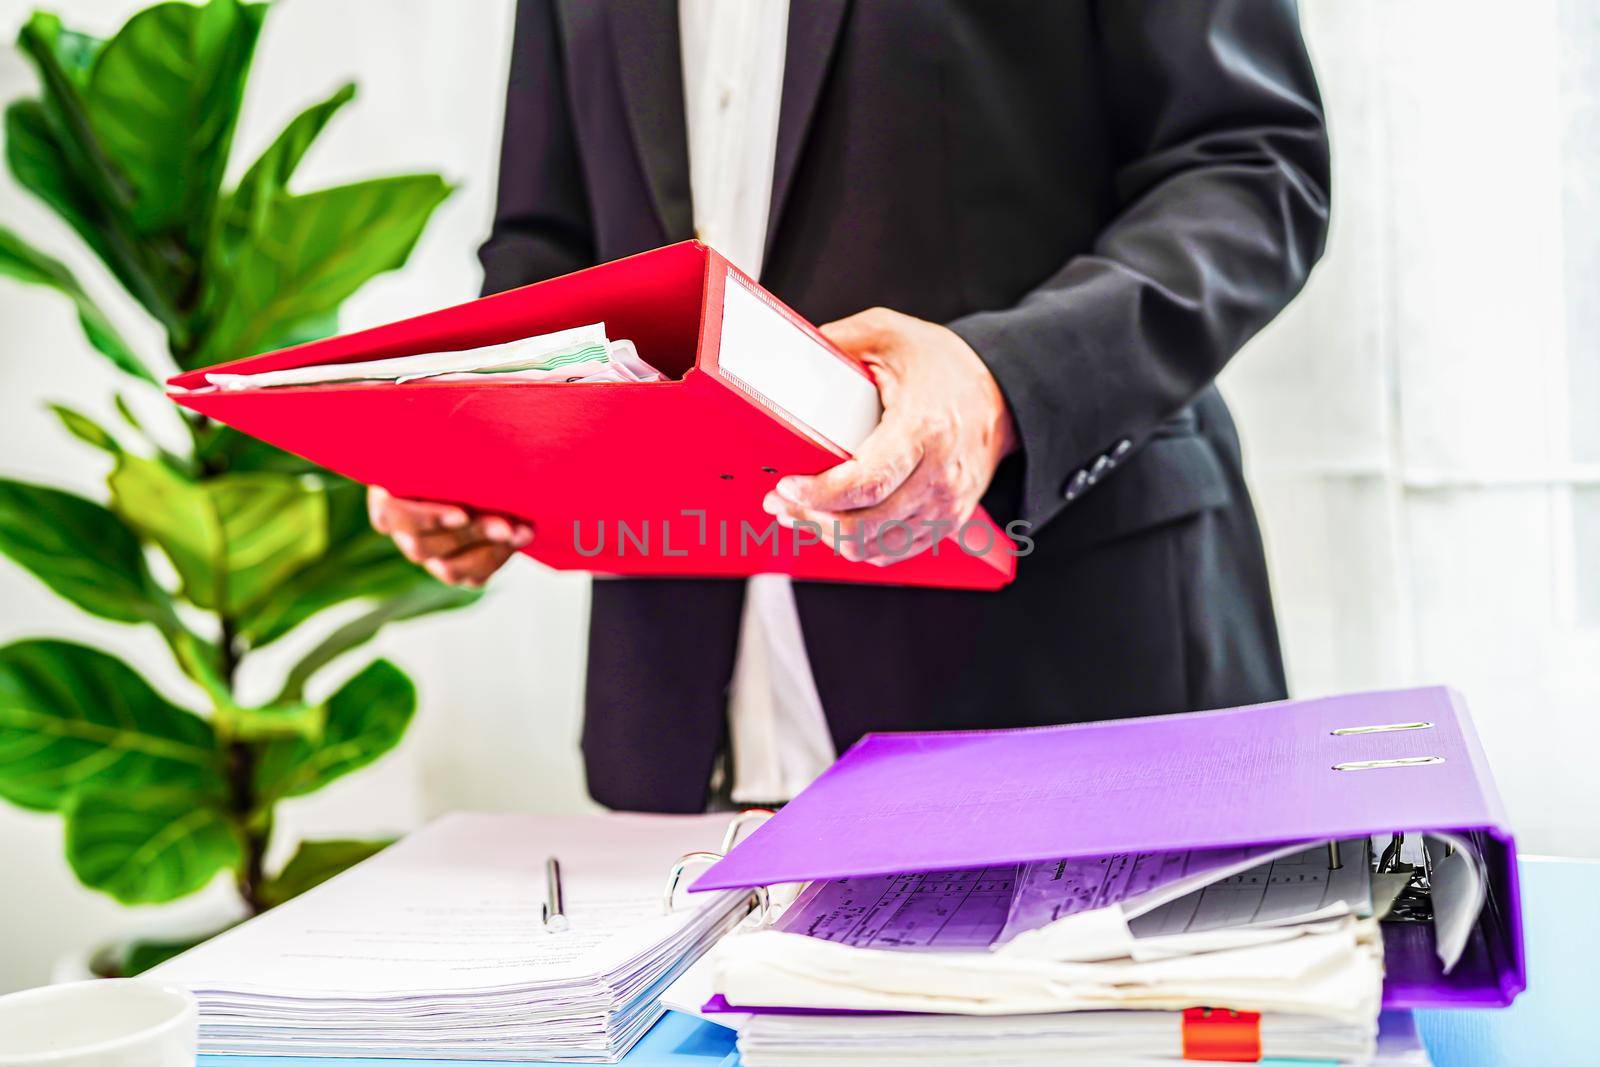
1105	199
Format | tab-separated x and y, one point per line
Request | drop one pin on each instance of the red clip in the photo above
1220	1034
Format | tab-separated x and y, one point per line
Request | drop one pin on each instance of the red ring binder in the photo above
640	479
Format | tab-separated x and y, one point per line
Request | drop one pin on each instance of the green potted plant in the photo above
224	545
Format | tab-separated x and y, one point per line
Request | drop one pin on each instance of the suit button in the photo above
1124	446
1099	469
1075	488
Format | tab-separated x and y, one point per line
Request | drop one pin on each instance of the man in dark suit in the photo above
1065	217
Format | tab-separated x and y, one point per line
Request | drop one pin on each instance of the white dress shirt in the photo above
733	54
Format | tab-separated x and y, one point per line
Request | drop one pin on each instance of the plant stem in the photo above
255	828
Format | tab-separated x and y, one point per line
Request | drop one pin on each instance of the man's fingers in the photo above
854	333
895	544
471	566
888	536
419	548
391	515
422	518
377	508
865	331
886	459
454	544
909	521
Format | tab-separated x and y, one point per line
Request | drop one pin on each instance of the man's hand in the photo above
945	428
455	545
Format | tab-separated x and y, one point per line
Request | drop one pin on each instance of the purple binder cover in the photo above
1256	775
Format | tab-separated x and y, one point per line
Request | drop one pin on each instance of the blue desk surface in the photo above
1546	1027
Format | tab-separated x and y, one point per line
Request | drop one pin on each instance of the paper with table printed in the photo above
1162	893
1269	929
435	948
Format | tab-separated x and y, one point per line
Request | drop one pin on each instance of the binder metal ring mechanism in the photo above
760	899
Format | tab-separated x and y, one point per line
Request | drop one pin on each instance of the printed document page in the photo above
581	354
457	907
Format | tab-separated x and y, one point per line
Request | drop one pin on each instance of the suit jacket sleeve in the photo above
542	225
1222	196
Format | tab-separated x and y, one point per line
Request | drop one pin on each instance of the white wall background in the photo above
1421	425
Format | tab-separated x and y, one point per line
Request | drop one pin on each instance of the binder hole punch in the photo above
726	477
1374	764
769	470
1383	729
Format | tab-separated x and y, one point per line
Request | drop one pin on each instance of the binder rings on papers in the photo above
1401	768
621	477
435	948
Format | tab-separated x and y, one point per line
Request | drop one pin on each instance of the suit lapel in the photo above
649	63
813	32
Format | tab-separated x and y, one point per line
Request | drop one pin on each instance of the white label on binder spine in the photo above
772	357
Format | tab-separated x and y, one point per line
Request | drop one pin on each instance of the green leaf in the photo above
221	448
40	165
312	252
86	429
311	328
37	162
74	718
54	151
232	538
420	600
21	261
365	718
143	955
74	52
148	846
358	564
163	100
271	721
268	178
81	550
202	661
64	80
127	413
314	863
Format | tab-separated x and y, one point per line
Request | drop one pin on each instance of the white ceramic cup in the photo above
109	1022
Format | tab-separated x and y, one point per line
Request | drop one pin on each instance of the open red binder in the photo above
649	478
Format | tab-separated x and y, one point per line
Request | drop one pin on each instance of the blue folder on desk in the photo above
676	1041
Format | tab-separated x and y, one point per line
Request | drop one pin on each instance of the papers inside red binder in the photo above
634	478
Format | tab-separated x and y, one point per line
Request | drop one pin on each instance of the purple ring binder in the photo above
1258	775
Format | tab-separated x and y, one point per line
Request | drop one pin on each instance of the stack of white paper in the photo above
1098	1037
1104	1039
436	948
997	958
581	354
